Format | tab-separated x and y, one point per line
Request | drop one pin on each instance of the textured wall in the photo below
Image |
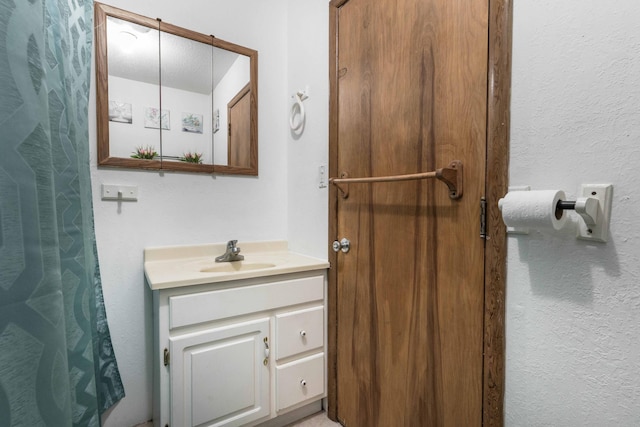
308	65
573	308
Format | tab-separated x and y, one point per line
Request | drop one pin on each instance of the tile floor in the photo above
317	420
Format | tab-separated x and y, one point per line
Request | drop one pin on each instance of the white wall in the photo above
573	308
308	64
175	208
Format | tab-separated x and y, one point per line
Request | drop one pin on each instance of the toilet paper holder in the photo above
593	205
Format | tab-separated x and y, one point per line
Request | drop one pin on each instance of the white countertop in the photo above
174	266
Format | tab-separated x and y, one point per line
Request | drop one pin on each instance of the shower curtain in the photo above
57	366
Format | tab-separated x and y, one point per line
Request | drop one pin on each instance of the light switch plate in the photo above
119	192
599	232
322	176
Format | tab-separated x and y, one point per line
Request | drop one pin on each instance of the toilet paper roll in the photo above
533	209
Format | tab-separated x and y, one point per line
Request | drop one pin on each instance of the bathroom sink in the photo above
237	266
174	266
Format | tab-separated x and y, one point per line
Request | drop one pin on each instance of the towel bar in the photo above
450	175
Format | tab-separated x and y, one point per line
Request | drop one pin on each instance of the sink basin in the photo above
237	266
176	266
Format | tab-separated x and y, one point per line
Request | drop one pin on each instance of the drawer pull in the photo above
303	383
303	333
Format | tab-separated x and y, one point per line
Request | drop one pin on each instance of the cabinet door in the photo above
218	376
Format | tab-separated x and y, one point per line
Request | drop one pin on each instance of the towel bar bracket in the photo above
452	177
344	189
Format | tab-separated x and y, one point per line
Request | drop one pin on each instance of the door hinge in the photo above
167	357
483	218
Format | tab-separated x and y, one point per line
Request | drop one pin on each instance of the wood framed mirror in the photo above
173	99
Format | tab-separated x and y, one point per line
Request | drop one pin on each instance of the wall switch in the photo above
322	176
119	192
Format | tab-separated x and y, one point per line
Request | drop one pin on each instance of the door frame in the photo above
496	184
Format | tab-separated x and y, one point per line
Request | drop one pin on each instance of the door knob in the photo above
343	245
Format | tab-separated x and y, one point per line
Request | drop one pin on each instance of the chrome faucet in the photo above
232	253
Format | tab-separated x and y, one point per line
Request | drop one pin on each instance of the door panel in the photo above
239	137
218	377
411	97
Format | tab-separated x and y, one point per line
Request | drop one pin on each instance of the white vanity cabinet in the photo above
240	352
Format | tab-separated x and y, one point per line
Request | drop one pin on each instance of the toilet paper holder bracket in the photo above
586	207
593	204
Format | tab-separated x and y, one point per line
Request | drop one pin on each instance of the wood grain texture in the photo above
239	129
410	95
101	12
332	287
498	119
102	78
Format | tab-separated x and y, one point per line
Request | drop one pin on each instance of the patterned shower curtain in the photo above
57	366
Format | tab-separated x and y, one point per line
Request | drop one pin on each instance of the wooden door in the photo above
239	114
409	94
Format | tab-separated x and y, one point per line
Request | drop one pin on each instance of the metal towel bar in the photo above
450	175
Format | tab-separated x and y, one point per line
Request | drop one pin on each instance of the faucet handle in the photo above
232	243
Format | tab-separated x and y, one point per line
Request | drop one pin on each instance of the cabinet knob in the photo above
303	383
303	333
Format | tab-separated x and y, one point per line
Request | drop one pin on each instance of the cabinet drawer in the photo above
299	331
201	307
299	381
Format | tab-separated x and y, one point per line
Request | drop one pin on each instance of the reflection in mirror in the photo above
186	99
173	99
232	79
134	82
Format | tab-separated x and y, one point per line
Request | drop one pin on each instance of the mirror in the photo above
169	98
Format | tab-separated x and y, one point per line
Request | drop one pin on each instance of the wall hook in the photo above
298	109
